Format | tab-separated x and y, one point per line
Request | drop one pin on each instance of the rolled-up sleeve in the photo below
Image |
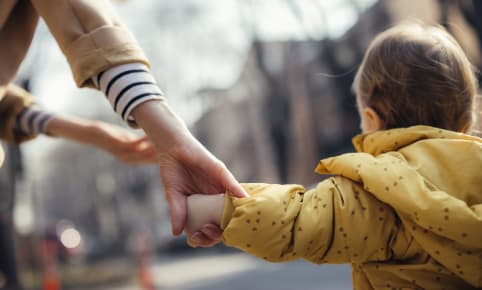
12	104
90	35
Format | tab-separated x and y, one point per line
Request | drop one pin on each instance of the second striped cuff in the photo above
33	120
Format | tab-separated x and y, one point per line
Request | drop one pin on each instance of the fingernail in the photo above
196	239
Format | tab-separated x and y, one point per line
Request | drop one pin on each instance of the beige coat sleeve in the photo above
337	222
14	102
90	35
18	20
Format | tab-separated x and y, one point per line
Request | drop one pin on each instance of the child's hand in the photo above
122	144
204	213
208	236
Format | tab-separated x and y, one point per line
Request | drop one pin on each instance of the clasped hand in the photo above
186	168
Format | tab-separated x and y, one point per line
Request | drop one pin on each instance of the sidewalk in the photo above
238	271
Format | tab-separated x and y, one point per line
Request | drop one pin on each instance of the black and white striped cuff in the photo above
127	86
33	120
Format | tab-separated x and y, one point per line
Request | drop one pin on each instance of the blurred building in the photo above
292	104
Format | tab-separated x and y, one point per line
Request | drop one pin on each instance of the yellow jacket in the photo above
405	211
87	31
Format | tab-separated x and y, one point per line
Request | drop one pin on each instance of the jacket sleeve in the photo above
12	104
90	35
337	222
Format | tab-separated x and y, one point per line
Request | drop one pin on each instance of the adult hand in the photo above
122	144
186	167
116	140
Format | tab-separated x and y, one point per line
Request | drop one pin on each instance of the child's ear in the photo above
373	122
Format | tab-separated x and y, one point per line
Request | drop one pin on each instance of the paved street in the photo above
238	271
231	270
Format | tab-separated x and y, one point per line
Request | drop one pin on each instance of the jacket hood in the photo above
392	140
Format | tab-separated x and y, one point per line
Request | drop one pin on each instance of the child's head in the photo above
415	75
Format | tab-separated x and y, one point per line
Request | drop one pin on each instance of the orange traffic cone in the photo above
50	280
146	279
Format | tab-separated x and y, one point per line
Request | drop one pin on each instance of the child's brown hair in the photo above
418	75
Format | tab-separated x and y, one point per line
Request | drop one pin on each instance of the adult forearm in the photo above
71	128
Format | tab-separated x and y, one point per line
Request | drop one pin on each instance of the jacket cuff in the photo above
33	120
227	212
126	87
101	49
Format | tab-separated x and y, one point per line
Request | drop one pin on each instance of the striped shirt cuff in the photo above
127	86
33	120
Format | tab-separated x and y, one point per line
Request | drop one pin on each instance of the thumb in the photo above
139	140
143	138
177	210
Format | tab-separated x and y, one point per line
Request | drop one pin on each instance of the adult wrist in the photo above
160	123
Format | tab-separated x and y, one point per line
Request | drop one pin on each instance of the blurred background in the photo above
264	84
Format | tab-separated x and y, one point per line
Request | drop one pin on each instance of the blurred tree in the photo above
290	71
472	11
8	266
